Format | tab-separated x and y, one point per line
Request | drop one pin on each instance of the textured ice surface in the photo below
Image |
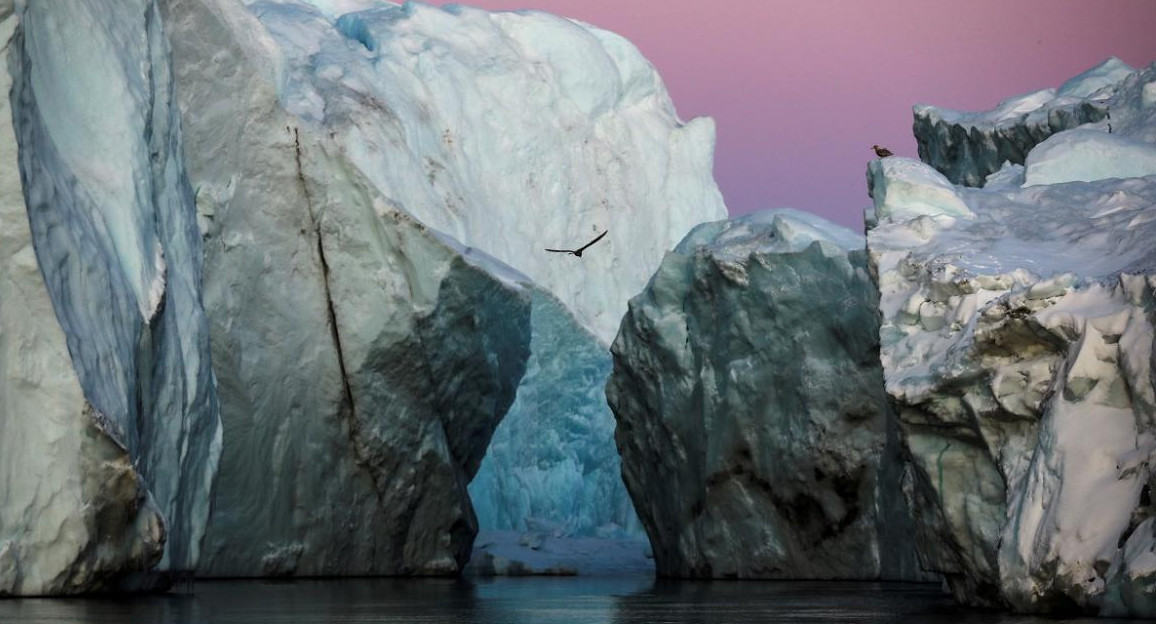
752	420
59	471
363	360
553	457
968	147
127	438
363	356
1016	345
510	132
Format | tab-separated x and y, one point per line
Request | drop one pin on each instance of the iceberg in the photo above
1016	343
754	431
967	147
111	433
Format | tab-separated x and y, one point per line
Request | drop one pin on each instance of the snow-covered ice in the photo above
510	132
1086	155
1016	344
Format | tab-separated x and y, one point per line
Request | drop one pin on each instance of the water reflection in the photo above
627	600
800	602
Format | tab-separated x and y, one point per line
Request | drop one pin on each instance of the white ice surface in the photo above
510	132
969	146
1085	155
1016	342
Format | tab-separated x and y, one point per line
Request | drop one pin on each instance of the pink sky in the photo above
800	90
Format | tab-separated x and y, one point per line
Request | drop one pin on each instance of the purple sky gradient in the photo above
800	90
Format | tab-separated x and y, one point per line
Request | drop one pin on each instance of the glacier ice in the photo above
60	472
110	454
752	421
968	147
547	553
1016	342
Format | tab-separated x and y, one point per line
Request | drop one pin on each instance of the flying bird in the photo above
881	152
578	252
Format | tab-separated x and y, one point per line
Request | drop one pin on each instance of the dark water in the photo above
576	600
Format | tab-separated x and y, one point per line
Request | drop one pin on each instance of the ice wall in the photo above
513	132
364	359
1017	345
752	422
110	483
968	147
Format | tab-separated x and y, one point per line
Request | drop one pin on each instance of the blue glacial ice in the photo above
110	215
552	461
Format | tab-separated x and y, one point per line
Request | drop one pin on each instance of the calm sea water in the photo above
575	600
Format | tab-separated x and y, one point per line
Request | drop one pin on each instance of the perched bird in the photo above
578	252
881	152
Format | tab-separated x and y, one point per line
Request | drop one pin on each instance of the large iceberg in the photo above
1017	345
369	195
109	421
755	434
967	147
364	359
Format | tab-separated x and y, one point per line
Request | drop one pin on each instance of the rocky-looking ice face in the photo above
968	147
751	416
364	360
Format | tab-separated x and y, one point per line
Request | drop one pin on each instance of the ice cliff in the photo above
968	147
1017	345
364	359
752	421
376	189
361	201
109	426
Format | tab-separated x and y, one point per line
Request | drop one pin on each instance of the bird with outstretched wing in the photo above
578	252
